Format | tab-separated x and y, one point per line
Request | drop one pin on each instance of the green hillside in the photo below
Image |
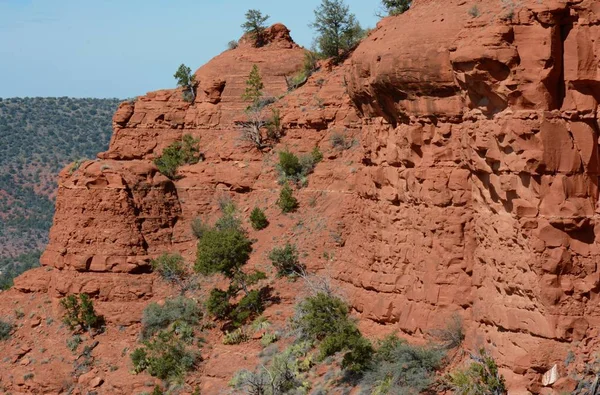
38	137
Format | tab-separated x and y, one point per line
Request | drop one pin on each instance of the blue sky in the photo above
125	48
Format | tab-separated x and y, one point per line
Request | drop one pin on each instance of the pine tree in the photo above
338	29
186	80
254	87
255	26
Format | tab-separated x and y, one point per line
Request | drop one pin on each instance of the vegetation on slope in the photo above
38	137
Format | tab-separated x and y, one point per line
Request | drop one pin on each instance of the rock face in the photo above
473	188
482	184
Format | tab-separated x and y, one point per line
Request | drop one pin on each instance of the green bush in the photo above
5	330
80	314
296	169
258	219
218	304
320	315
222	251
165	357
480	378
289	164
251	305
399	367
169	266
178	154
359	356
396	7
157	317
287	202
286	260
274	129
326	318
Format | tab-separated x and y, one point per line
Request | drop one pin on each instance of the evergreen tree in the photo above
255	26
254	87
338	29
186	80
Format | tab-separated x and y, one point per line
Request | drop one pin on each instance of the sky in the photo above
125	48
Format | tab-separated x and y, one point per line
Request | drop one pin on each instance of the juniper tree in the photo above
254	87
251	129
338	30
255	26
186	80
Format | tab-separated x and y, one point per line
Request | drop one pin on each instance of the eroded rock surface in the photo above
468	184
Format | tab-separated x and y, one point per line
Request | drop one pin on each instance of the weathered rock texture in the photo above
472	189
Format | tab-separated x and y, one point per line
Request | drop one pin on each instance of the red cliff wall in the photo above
473	189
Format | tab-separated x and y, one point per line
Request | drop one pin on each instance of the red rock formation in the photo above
473	189
483	177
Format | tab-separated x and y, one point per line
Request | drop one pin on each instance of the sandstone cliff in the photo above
472	188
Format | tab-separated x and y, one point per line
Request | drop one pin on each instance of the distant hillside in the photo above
38	137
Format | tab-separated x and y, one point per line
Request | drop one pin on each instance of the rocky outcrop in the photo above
483	176
463	180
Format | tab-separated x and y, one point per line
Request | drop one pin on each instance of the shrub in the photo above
218	304
339	141
396	7
165	357
296	169
308	68
320	315
325	317
289	164
283	375
178	154
80	314
452	335
5	330
401	367
74	342
223	251
199	227
359	356
237	336
287	202
169	266
251	305
255	26
274	130
258	219
481	377
268	339
309	161
229	222
338	30
233	44
157	317
474	11
286	260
